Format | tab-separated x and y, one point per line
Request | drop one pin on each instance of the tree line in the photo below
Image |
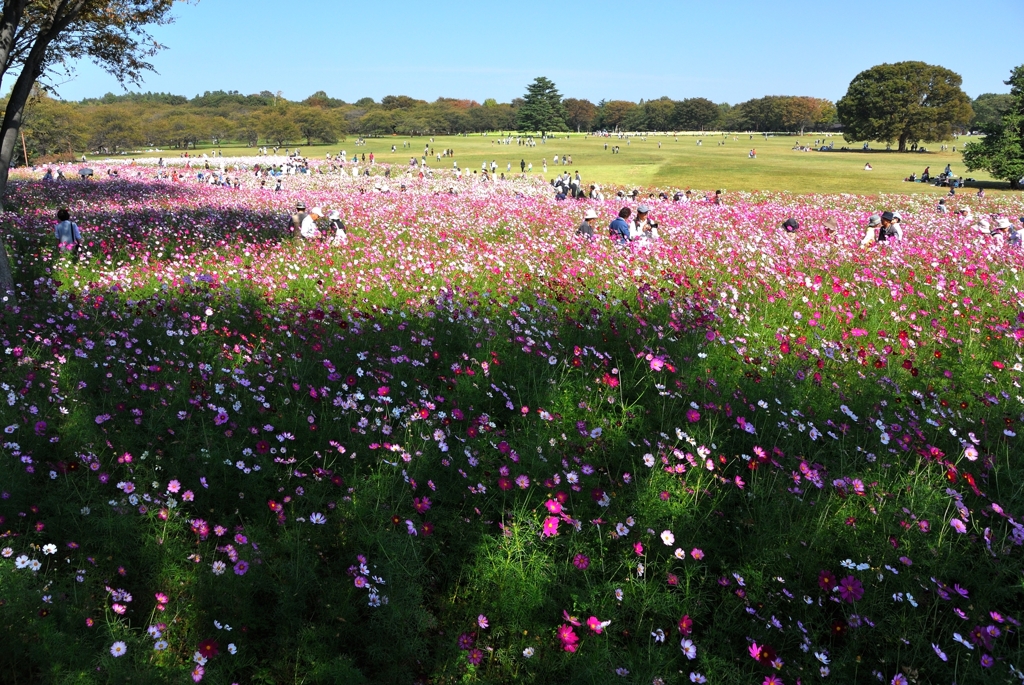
115	123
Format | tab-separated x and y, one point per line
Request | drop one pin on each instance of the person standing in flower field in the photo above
69	238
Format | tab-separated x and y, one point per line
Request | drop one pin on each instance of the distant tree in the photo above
146	98
52	126
248	130
488	118
278	127
186	129
802	112
219	129
636	118
365	102
765	114
659	114
391	102
904	102
314	125
828	116
731	118
542	108
377	122
611	113
579	114
695	114
322	100
115	128
1001	151
989	109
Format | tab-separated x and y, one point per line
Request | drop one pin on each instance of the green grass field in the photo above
667	161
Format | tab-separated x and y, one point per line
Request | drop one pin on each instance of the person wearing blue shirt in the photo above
66	231
619	227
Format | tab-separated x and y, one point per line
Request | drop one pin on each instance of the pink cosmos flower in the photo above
481	621
567	636
550	526
581	561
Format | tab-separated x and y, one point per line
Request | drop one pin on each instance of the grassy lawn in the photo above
666	161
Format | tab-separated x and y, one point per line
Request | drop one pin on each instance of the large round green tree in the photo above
906	102
542	108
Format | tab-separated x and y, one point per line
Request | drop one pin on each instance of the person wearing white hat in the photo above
340	233
1001	229
587	227
308	230
1002	224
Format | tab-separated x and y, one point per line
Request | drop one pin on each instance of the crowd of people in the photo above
631	225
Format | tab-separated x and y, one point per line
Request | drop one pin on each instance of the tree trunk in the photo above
15	114
903	142
11	128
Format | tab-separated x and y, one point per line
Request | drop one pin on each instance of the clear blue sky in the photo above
728	51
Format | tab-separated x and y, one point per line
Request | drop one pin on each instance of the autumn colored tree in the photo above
579	114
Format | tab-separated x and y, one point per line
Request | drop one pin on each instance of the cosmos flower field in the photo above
467	446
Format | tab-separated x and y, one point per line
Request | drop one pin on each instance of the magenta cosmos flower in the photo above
851	589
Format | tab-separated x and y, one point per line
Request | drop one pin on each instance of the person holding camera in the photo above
643	227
